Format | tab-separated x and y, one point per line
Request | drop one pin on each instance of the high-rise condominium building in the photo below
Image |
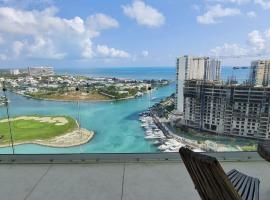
235	110
260	73
194	68
14	71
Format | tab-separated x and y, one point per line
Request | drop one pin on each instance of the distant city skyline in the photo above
98	33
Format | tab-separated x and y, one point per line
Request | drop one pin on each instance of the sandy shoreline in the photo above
77	137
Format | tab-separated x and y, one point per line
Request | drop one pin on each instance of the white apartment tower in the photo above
14	71
260	73
194	68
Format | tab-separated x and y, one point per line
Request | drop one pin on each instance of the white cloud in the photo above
100	21
105	51
240	2
17	47
229	50
256	40
265	4
38	4
145	53
257	44
44	48
46	35
267	33
215	12
42	34
1	40
251	14
144	14
3	57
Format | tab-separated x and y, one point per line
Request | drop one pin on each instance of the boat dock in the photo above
162	125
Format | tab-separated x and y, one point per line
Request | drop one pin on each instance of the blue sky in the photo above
94	33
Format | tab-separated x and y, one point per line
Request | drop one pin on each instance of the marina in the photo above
164	142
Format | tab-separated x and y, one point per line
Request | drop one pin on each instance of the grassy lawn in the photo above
30	129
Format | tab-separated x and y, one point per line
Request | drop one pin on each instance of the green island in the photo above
54	131
94	92
72	88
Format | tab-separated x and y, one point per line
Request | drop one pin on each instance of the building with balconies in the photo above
194	68
234	110
260	73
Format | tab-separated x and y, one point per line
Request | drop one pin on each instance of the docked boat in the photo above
158	142
163	147
153	136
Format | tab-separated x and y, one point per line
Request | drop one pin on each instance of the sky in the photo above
123	33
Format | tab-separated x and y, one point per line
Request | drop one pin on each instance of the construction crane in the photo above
232	79
233	76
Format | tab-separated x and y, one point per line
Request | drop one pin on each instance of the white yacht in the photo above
154	136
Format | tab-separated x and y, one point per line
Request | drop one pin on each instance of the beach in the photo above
72	139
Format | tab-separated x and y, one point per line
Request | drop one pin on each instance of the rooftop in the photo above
120	179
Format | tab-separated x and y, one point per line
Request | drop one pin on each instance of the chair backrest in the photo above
209	178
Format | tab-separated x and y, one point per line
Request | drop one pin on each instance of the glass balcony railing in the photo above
123	90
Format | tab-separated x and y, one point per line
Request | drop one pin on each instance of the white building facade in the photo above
260	73
14	71
234	110
194	68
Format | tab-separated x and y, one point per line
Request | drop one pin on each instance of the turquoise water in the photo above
115	123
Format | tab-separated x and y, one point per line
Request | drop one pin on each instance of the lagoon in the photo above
116	125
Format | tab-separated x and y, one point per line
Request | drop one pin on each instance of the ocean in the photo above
166	72
139	73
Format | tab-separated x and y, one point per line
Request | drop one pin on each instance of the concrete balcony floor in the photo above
112	181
